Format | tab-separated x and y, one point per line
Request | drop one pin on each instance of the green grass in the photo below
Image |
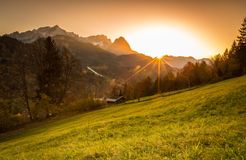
208	122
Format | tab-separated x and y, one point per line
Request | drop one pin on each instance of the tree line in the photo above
231	63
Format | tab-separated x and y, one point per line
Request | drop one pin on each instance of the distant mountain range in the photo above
119	47
180	61
115	59
42	32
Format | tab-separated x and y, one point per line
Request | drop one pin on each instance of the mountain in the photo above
207	60
101	41
103	61
180	61
42	32
114	59
90	55
119	47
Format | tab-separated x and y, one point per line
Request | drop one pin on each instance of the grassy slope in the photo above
207	123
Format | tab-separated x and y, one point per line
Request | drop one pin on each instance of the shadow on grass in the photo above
34	128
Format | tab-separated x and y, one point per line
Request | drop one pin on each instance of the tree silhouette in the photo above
50	70
241	48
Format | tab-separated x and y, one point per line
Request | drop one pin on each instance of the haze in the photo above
195	28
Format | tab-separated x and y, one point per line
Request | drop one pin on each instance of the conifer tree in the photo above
241	48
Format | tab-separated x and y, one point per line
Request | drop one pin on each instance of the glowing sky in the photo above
177	27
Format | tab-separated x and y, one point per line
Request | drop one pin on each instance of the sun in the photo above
157	41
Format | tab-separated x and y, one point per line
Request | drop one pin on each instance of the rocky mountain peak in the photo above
122	43
42	32
99	40
119	47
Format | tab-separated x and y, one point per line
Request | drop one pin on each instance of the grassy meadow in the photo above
208	122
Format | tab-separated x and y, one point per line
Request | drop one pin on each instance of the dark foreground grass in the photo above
204	123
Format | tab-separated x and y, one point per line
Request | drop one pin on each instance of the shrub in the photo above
87	104
9	117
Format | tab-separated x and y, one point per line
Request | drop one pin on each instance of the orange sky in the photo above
215	23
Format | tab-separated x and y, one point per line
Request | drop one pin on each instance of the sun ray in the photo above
141	69
157	61
159	76
164	61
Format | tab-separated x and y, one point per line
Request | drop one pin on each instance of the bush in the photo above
43	108
8	121
87	104
9	117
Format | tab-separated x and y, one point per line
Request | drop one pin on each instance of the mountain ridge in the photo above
118	47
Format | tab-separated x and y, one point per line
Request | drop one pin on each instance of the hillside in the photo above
208	122
102	60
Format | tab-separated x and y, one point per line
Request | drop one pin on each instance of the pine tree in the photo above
233	50
51	70
241	48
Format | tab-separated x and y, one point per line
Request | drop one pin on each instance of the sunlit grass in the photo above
208	122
